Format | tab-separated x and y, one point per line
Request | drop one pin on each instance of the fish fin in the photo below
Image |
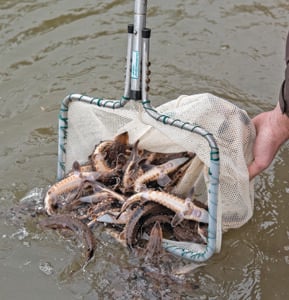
118	215
97	186
134	152
164	180
76	167
147	166
154	245
106	218
203	234
89	253
122	235
72	195
191	192
189	206
177	219
122	138
188	202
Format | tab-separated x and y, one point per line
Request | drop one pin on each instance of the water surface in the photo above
49	49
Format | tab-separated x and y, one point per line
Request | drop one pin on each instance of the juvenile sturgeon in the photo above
184	209
65	186
81	230
159	173
109	151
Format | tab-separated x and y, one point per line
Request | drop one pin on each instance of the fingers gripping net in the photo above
198	124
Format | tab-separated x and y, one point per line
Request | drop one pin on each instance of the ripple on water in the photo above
46	268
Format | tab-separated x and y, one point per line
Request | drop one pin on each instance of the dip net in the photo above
87	124
219	133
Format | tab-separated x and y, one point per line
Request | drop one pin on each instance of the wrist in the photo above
280	123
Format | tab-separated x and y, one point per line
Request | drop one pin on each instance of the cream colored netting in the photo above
231	127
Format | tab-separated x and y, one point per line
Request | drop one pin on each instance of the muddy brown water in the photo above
48	49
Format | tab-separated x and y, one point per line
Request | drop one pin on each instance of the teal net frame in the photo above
136	88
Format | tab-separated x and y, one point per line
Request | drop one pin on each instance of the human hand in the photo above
272	130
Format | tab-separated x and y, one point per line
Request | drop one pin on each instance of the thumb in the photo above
259	164
253	170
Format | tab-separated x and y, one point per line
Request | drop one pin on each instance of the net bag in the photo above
86	124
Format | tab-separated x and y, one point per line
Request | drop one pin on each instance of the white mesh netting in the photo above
232	128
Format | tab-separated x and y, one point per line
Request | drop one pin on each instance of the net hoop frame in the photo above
174	247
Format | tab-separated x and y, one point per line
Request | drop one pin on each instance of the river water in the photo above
48	49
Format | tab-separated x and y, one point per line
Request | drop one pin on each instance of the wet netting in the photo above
175	174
